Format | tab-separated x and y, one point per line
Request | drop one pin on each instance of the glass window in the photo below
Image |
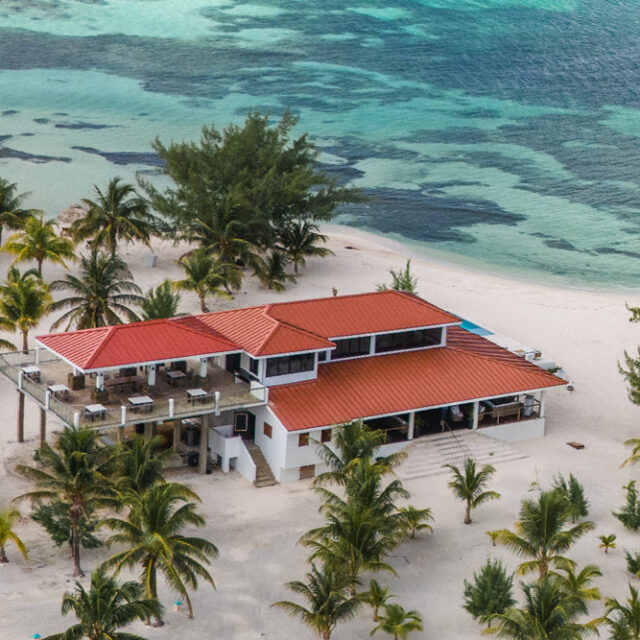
290	364
325	435
303	439
408	340
351	347
268	430
253	365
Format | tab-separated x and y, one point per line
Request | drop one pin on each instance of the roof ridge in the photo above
291	326
94	354
185	327
275	323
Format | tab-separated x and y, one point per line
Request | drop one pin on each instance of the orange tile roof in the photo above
135	343
361	313
396	383
258	333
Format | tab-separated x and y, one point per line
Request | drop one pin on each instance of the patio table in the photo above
197	394
95	411
59	390
175	376
141	402
32	372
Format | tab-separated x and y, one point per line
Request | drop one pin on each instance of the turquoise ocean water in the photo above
498	133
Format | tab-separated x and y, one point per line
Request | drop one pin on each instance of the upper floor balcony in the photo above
129	396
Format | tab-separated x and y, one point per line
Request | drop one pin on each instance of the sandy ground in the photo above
257	530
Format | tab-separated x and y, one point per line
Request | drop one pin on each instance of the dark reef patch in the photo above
124	157
6	152
9	112
84	125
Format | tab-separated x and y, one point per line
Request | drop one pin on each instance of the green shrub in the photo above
573	493
629	515
633	562
490	592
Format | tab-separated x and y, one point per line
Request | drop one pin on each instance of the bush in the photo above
490	592
55	519
630	513
633	562
573	494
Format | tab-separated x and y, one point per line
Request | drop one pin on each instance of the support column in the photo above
100	381
43	426
152	375
476	414
148	431
412	423
204	446
20	416
203	368
37	355
541	404
176	435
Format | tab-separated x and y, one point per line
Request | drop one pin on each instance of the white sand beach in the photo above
256	530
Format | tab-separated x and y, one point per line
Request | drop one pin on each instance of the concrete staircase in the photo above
427	455
264	475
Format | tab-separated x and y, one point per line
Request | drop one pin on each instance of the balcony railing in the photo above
168	403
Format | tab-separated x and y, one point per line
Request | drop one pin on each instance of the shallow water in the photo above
504	132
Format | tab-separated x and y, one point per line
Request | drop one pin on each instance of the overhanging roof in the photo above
400	382
134	344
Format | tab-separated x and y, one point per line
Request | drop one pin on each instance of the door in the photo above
232	362
244	425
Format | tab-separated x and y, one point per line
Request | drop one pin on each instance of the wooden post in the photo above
204	447
176	435
43	426
20	416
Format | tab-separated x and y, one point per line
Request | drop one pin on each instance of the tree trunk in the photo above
325	634
203	306
25	341
20	416
39	267
75	545
467	514
3	555
152	594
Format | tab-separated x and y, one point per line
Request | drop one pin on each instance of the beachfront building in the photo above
252	388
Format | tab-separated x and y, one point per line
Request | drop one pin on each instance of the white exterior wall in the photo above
515	431
274	448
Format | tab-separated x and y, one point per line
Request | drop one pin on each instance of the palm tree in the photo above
397	622
415	520
11	213
37	240
634	458
329	603
105	608
8	518
75	473
24	301
623	620
161	302
100	294
401	280
298	240
549	613
119	214
607	542
469	485
541	534
579	583
377	597
271	271
349	442
206	275
140	465
153	534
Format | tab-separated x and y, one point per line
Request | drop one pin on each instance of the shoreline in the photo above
414	250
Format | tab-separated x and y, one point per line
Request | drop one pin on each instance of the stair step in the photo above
264	475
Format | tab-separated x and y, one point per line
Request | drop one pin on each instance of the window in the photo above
267	429
253	366
322	356
290	364
408	340
303	439
307	471
325	435
351	347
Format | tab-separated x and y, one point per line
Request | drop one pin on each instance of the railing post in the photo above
47	399
171	407
216	395
123	415
20	376
76	419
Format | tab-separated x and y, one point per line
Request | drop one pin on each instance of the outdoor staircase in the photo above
264	475
427	455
